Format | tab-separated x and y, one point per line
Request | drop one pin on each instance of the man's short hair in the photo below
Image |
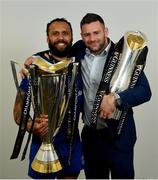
91	17
58	20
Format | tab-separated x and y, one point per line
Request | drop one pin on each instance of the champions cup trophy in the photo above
122	72
49	90
49	96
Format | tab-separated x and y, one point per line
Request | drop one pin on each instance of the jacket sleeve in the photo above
78	49
140	94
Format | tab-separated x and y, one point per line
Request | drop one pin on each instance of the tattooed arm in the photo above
18	105
41	124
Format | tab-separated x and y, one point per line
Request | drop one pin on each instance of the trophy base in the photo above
44	167
46	160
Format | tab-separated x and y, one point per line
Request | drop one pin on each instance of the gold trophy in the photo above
49	97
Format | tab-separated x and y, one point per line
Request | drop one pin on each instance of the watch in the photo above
118	101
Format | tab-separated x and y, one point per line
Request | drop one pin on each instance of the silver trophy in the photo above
49	97
128	69
122	71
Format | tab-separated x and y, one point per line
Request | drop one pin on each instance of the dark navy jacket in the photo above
132	97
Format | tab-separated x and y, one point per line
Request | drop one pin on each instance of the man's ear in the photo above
106	31
81	35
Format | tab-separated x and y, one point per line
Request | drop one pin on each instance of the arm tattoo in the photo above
18	106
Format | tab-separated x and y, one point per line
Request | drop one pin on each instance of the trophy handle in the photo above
14	74
24	117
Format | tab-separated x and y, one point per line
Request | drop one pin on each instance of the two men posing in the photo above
105	152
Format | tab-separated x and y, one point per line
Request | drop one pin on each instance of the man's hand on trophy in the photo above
107	107
40	128
24	72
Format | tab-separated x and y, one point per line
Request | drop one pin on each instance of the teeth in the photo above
61	44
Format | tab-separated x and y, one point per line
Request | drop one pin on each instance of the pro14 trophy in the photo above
122	72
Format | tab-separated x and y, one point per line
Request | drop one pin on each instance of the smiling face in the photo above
94	36
59	38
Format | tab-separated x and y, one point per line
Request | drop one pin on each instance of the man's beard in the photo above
100	48
60	53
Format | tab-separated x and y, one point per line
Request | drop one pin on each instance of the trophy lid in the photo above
48	67
136	40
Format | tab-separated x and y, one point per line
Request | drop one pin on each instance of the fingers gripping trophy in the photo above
48	96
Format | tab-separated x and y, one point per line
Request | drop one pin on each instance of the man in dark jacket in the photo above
106	153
